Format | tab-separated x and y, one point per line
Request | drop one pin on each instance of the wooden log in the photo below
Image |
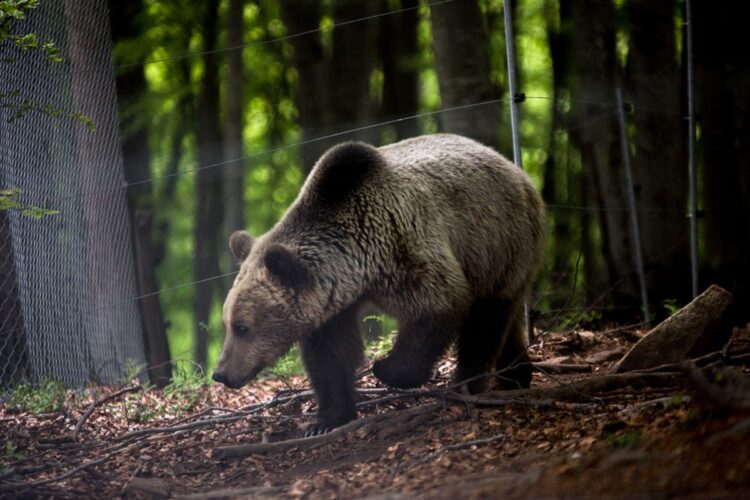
694	330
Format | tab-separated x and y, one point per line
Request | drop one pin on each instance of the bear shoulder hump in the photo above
344	168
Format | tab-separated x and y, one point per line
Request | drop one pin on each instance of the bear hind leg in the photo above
514	364
418	346
331	355
491	339
480	340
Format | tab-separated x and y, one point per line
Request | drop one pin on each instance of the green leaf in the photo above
38	212
10	192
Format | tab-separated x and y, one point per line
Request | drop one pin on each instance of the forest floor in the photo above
659	434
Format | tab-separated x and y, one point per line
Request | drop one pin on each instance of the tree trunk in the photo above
108	254
131	87
399	53
234	185
354	55
463	67
155	341
208	188
13	354
659	164
312	75
333	86
557	174
184	124
722	92
597	139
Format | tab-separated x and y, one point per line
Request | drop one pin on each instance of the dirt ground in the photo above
665	439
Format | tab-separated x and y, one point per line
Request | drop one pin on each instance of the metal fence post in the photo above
515	98
631	204
692	182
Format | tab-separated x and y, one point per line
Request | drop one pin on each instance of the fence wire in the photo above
57	272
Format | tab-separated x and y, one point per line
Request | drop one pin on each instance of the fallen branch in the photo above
383	425
21	487
90	410
583	390
545	367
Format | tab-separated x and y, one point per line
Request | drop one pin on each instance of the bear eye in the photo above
240	330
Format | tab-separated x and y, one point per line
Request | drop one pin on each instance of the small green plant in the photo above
185	388
676	400
671	305
289	365
626	439
133	372
11	452
382	345
47	397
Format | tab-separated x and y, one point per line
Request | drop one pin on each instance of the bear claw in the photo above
317	430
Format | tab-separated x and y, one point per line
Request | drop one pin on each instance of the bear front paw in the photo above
402	375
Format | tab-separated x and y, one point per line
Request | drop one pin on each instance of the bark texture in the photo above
209	207
696	329
659	163
463	67
597	139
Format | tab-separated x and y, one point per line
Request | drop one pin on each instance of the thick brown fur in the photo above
439	231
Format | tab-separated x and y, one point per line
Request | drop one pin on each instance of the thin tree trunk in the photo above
131	86
463	67
557	166
400	54
353	60
659	165
208	188
184	124
234	185
333	86
312	75
597	138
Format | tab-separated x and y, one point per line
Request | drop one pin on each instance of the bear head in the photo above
273	302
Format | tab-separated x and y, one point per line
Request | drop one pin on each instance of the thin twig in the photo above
459	446
90	410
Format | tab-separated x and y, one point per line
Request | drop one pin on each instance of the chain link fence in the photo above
67	280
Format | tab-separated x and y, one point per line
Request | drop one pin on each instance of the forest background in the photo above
226	105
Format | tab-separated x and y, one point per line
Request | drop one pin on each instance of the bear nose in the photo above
220	377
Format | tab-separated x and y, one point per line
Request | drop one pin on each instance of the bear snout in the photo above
220	377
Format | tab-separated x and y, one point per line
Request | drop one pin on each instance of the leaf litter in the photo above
664	440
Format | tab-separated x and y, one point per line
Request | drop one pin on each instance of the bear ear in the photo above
285	267
240	243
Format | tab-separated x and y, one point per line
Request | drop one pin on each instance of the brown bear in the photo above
439	231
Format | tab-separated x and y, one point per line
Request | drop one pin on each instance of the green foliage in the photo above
185	389
8	201
381	346
11	452
289	366
671	305
12	11
47	397
625	439
677	400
